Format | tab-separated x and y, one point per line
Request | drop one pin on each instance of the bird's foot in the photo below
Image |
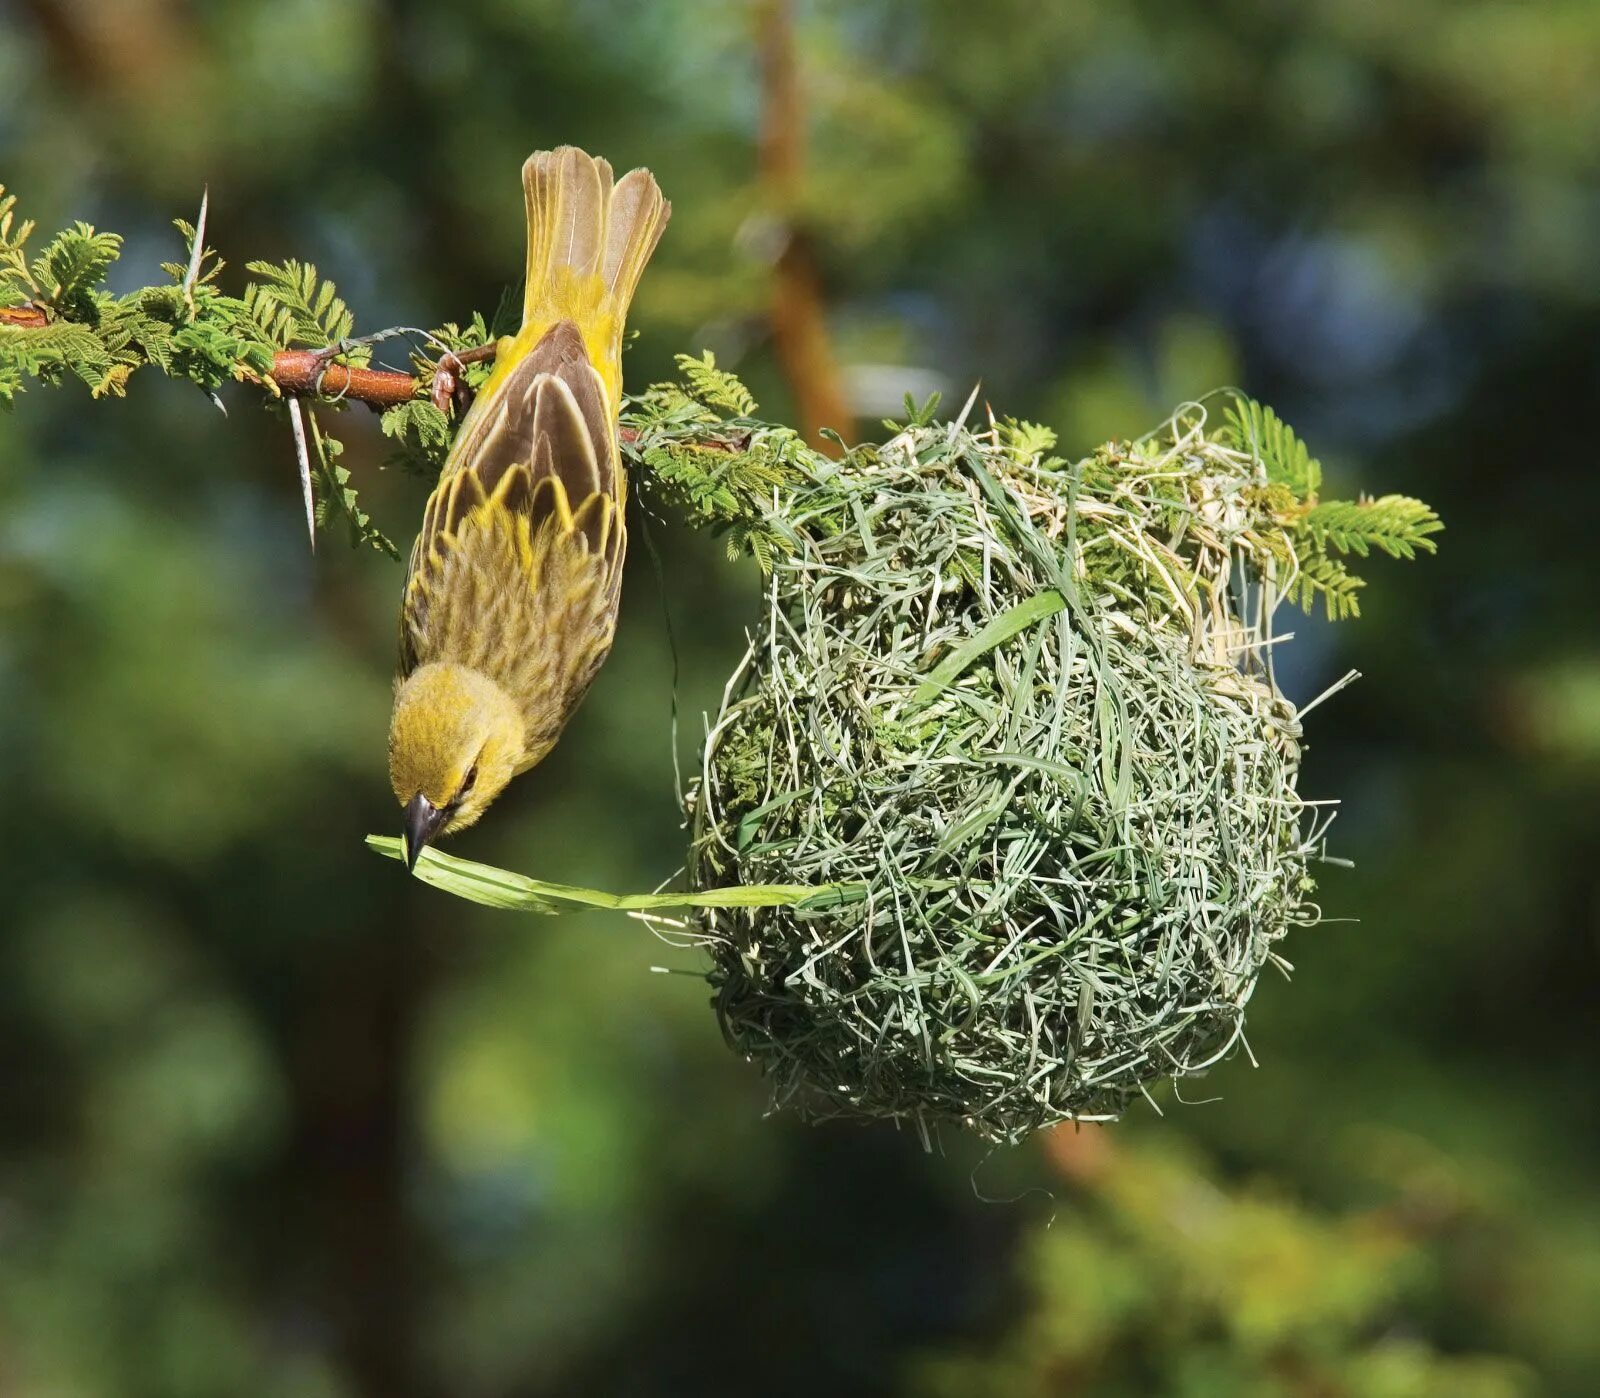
449	382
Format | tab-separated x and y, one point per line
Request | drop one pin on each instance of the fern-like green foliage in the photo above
16	282
917	414
1030	442
68	273
716	388
335	498
697	450
186	327
1316	577
1322	534
420	432
49	355
1258	431
1393	524
291	306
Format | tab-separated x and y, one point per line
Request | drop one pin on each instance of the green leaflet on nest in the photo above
703	457
1255	429
716	388
1395	524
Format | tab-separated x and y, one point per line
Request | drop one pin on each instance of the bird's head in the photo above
455	740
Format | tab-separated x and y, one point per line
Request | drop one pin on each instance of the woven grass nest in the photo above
1020	715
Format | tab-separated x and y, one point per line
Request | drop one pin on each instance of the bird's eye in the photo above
467	781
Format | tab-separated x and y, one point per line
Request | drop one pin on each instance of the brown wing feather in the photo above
543	446
524	410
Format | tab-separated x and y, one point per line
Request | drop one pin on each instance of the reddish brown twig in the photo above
24	317
307	372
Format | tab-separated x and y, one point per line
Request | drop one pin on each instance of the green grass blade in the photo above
499	888
1068	776
997	629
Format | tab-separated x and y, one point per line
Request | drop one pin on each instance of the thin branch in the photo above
302	373
307	373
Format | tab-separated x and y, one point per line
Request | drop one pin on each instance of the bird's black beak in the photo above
423	821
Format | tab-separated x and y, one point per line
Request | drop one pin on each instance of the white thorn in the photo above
298	423
197	252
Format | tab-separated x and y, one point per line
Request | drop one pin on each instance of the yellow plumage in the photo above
511	601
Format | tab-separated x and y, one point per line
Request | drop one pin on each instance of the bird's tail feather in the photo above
589	239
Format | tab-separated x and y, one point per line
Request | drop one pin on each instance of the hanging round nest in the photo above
1000	704
1015	718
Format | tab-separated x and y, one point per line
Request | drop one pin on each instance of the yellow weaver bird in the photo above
511	599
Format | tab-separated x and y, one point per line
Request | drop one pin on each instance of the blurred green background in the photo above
277	1121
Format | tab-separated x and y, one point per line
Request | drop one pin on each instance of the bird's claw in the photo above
449	379
449	385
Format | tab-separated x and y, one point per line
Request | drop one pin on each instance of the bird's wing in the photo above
536	462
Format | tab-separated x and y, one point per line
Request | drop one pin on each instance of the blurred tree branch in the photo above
130	50
799	330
